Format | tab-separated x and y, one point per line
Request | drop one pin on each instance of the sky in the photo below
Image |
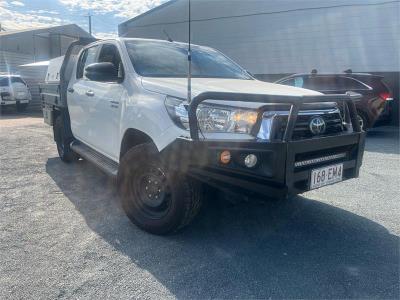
106	14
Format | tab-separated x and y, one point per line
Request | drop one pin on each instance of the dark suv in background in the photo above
375	93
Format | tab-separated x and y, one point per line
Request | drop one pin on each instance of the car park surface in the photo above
64	235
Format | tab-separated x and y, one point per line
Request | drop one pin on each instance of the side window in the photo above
87	57
110	53
346	83
320	83
295	81
298	82
288	82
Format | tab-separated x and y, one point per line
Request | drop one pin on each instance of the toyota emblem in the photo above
317	125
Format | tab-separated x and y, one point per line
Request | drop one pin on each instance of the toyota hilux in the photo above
123	104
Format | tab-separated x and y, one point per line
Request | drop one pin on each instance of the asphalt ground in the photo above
63	234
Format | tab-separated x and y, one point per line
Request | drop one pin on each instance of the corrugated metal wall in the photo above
10	62
273	38
285	36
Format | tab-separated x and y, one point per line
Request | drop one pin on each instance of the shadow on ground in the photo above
10	114
293	249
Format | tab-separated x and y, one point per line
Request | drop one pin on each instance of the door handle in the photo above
90	93
70	90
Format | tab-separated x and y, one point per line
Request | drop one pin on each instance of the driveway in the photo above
63	234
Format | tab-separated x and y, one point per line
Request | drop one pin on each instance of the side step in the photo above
107	165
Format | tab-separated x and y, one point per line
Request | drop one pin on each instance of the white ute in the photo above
123	105
14	91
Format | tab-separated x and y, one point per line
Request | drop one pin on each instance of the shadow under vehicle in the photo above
299	248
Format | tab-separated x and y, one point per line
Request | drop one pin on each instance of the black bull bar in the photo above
295	103
278	176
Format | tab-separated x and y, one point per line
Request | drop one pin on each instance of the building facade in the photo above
275	38
27	46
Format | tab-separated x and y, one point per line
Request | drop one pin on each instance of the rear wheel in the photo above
22	106
156	199
63	143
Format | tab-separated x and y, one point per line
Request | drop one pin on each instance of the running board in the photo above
107	165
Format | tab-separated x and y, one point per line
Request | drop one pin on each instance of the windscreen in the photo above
169	59
4	81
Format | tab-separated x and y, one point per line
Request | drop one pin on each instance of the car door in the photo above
105	97
80	105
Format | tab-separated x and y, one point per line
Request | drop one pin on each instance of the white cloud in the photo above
4	3
120	8
17	3
42	11
12	20
105	35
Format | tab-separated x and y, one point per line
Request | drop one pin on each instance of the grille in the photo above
333	121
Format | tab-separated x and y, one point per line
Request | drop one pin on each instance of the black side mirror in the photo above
102	71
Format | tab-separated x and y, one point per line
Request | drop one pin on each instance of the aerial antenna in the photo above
189	57
167	35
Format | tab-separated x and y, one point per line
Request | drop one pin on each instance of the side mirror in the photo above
103	71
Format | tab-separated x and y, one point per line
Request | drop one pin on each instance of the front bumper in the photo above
275	174
13	102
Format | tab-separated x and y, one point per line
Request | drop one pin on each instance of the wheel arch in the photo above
133	137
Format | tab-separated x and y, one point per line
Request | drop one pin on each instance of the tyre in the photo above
155	199
363	121
22	106
63	143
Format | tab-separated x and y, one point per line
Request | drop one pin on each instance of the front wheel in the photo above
157	200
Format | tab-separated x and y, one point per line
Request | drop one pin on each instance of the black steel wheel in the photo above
151	191
155	199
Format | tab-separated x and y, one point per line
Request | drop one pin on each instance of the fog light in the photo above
225	157
250	160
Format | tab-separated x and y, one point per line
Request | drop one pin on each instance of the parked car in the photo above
14	92
375	93
123	104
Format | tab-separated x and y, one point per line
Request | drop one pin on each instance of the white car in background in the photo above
14	91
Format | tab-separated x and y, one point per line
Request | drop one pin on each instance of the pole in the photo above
90	23
189	83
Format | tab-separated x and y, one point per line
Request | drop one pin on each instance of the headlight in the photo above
212	118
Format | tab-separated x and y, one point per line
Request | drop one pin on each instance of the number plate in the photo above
326	175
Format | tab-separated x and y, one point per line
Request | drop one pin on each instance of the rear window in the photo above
375	82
